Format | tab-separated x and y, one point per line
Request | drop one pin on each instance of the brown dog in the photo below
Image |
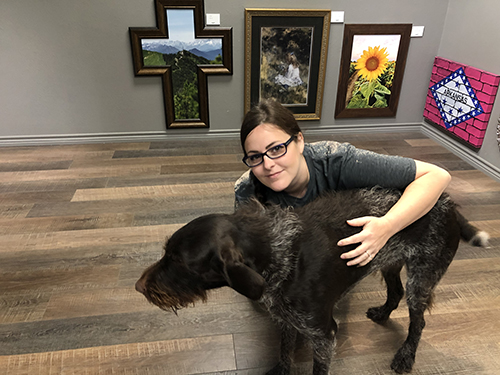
289	260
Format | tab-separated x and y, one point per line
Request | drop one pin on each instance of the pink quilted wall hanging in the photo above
460	99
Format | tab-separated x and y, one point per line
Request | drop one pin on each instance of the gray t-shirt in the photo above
337	166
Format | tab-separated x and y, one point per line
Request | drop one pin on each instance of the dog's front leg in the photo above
323	348
288	339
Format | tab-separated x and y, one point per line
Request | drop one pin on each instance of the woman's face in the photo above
287	173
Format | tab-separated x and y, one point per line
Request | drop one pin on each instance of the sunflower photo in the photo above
371	71
372	67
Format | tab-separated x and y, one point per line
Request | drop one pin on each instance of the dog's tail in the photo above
471	234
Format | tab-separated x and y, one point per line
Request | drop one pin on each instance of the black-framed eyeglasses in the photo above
274	152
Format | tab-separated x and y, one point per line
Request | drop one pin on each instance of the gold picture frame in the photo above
285	58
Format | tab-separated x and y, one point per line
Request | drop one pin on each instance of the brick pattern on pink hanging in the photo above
470	128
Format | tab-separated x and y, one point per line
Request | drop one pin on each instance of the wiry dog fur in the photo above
289	260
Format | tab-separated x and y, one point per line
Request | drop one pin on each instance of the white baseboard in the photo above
68	139
461	151
194	134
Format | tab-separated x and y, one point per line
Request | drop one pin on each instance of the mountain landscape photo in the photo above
206	48
183	58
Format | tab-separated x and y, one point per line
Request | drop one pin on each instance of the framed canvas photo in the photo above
285	58
183	52
371	69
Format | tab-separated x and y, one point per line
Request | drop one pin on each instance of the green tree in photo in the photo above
184	67
217	60
186	102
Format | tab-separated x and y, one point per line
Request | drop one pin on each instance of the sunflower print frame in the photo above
371	69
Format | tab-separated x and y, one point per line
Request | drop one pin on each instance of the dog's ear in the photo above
239	276
245	280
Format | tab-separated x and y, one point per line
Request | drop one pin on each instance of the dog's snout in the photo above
140	286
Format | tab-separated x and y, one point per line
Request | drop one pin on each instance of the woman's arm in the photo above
417	199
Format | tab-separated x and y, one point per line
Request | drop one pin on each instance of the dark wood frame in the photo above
350	30
161	31
320	20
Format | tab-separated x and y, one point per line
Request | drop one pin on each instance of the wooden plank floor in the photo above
79	223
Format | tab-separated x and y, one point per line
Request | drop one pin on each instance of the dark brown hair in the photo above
268	112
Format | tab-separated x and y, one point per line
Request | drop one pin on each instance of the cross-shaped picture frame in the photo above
183	62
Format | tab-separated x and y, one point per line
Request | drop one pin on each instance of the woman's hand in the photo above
417	199
375	234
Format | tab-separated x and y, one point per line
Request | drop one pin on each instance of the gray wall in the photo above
471	36
66	68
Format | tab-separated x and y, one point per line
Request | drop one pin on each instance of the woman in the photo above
292	75
287	171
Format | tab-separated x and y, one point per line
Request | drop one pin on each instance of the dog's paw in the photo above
320	368
403	362
279	369
378	314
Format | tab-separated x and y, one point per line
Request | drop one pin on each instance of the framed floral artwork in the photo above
285	58
371	69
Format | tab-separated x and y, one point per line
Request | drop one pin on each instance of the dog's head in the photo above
204	254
